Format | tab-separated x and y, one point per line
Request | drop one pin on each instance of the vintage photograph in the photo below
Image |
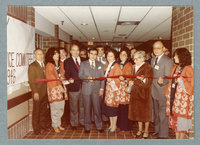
100	72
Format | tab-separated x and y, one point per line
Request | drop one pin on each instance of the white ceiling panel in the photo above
82	15
156	16
106	18
102	22
124	29
162	31
54	15
133	13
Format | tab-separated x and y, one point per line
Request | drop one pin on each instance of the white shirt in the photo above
78	59
90	61
159	57
108	68
137	68
41	63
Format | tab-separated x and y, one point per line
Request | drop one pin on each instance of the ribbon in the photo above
103	78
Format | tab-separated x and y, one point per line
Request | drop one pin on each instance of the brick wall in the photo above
182	34
182	28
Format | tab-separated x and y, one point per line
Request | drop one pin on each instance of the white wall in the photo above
64	36
43	26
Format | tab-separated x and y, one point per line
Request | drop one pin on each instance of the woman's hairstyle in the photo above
112	51
140	54
125	50
184	56
50	53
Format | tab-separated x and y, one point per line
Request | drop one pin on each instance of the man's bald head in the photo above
158	48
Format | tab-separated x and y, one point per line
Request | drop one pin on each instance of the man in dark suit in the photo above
92	90
161	66
72	66
39	92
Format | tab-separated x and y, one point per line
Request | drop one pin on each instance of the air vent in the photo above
125	23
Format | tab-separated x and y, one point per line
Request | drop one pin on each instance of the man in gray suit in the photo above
161	66
92	90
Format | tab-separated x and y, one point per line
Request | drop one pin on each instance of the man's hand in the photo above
90	78
36	97
140	78
101	92
71	81
160	81
121	78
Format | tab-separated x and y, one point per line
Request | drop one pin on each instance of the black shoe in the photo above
74	128
37	132
154	135
87	131
100	130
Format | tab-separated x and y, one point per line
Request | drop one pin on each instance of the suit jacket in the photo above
86	71
35	71
165	64
71	71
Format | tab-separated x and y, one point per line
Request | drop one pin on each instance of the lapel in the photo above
161	60
73	64
39	67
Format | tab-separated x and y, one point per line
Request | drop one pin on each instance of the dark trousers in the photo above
40	114
123	122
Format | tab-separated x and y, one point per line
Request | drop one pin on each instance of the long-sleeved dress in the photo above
181	101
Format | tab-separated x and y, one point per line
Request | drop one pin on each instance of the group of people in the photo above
94	99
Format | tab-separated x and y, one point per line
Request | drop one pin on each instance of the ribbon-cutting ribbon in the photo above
103	78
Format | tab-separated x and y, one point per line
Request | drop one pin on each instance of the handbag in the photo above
129	88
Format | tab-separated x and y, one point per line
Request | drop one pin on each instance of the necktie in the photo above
156	61
77	64
92	66
42	65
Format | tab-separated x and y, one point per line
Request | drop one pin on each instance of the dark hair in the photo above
83	49
50	53
62	48
92	49
184	56
126	50
112	51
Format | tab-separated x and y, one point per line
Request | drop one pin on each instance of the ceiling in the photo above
154	22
